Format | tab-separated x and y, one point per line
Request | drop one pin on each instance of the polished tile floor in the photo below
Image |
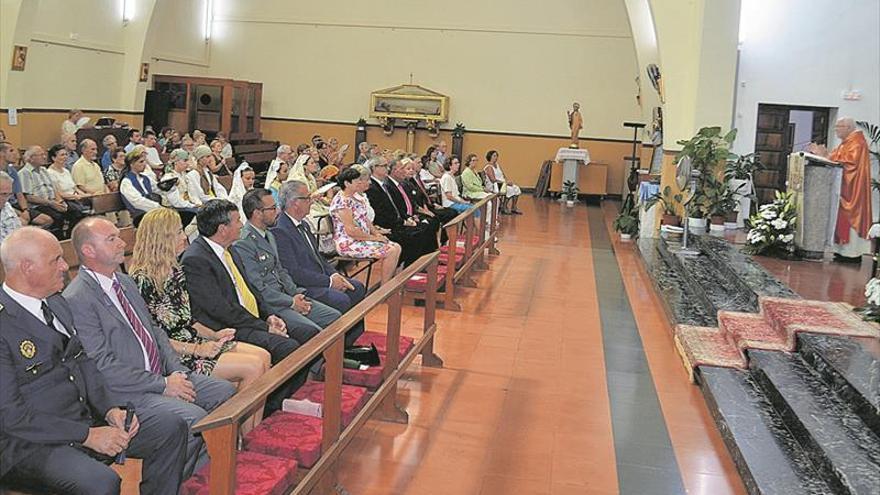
544	390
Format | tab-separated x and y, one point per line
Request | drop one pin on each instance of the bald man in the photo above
59	422
117	331
854	215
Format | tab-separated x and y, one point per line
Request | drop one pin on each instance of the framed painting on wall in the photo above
19	57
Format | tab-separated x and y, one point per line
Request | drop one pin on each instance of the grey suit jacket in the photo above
273	287
108	338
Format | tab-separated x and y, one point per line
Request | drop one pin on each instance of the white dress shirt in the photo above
34	306
219	251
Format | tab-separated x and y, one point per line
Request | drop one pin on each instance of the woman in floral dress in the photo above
354	233
162	283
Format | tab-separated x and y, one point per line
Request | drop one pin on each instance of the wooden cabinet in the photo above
213	105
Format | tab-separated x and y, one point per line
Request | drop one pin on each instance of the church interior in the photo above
582	247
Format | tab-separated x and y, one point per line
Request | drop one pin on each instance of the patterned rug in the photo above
774	328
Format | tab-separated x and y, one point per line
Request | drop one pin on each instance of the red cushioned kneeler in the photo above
380	340
289	436
255	474
419	281
443	258
353	398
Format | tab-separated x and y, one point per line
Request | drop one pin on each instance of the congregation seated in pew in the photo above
117	331
354	233
299	255
140	192
416	238
36	184
61	418
155	268
220	296
275	292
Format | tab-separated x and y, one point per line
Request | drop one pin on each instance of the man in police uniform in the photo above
58	419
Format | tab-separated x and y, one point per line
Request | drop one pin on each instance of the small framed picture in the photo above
19	57
145	71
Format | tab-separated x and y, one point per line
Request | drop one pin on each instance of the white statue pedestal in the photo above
570	159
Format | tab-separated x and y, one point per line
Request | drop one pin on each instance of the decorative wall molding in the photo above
92	46
595	33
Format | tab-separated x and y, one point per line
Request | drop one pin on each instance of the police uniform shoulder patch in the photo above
28	349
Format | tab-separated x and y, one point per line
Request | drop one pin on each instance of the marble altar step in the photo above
851	367
840	446
767	455
694	289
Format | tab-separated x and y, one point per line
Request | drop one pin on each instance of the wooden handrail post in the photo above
389	409
493	227
332	408
429	358
480	262
464	278
451	266
221	443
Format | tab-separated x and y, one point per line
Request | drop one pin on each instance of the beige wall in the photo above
512	69
520	155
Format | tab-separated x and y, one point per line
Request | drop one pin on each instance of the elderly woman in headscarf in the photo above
242	182
201	177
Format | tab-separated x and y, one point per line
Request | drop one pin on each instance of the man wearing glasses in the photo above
275	290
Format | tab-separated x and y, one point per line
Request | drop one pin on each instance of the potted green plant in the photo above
570	191
720	202
668	201
627	221
627	224
739	173
706	150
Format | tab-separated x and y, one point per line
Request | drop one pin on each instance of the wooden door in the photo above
773	143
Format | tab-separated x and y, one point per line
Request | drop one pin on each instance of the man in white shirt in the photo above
149	139
9	220
134	139
117	331
58	410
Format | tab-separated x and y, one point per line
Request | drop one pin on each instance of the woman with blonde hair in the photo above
161	280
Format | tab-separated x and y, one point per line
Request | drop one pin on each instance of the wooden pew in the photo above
106	203
220	429
464	227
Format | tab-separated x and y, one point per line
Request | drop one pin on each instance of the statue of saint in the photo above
575	123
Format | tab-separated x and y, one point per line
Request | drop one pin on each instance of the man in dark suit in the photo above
275	291
415	238
221	297
422	199
299	256
58	418
118	332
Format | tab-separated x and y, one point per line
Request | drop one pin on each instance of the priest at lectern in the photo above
854	215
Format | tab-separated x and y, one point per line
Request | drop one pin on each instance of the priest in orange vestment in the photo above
854	215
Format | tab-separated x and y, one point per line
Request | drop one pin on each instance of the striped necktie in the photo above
244	294
140	332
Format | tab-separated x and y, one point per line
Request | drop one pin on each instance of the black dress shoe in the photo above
365	355
846	259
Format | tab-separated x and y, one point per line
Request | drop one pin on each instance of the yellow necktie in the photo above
245	294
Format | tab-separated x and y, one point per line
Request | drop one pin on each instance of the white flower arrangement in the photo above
772	227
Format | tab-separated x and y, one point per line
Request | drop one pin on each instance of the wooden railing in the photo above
220	429
467	226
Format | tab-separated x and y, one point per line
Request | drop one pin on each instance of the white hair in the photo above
21	245
848	121
284	148
30	152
